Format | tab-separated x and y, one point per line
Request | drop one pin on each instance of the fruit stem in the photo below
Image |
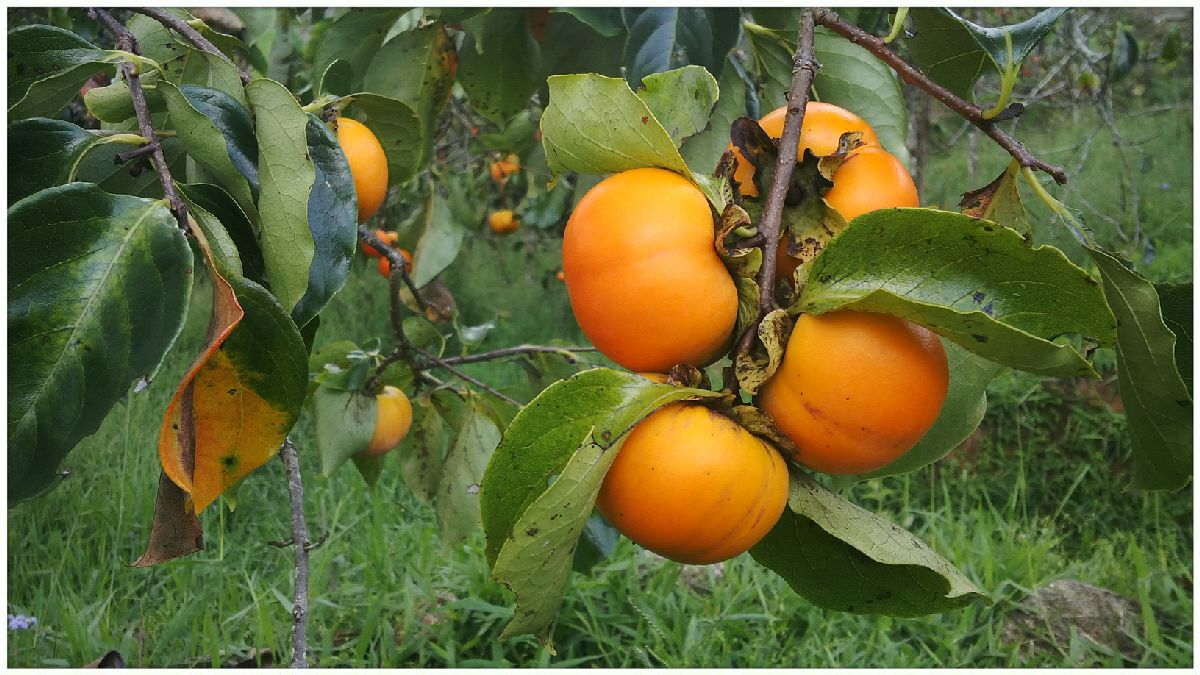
897	25
967	110
804	69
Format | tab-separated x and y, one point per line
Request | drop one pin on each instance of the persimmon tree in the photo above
228	166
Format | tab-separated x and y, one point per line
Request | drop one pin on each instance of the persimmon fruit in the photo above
368	165
385	265
392	421
643	275
692	485
387	237
856	390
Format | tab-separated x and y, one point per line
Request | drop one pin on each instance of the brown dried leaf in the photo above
175	530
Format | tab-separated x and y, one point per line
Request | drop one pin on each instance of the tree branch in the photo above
514	351
190	34
968	110
397	262
301	545
127	42
804	68
439	362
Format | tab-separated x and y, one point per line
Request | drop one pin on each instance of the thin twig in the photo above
190	34
439	362
127	42
804	68
142	151
397	261
968	110
514	351
1128	177
300	544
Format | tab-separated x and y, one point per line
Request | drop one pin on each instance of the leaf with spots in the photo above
47	65
98	289
353	38
423	450
1158	403
457	495
345	422
499	63
839	556
680	99
972	281
242	394
286	176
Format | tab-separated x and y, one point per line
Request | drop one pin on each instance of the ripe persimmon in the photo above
692	485
503	221
392	421
503	168
856	390
386	237
643	275
385	265
368	165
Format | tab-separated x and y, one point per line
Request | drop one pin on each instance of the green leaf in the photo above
332	220
98	289
224	251
101	169
839	556
547	432
216	201
499	72
399	131
417	68
571	46
422	452
353	38
663	38
596	543
680	99
286	175
703	150
1000	202
46	152
596	124
1176	301
972	281
345	421
47	65
439	244
963	410
953	51
457	503
606	21
1158	404
219	136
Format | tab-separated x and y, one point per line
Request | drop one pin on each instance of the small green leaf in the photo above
98	289
972	281
839	556
605	21
680	99
703	150
216	201
439	243
597	125
345	421
47	65
499	71
457	502
1157	402
286	174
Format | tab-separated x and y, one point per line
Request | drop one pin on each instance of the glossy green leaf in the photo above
605	21
972	281
572	46
499	70
353	37
45	153
541	438
98	288
1176	303
99	167
839	556
286	175
1158	404
680	99
216	201
47	65
664	38
345	421
597	125
954	52
439	244
457	502
332	220
399	131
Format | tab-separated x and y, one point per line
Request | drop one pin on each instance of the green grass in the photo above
1043	495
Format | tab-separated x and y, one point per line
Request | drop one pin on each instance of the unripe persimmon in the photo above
643	275
385	265
392	421
368	165
386	237
503	221
856	390
692	485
